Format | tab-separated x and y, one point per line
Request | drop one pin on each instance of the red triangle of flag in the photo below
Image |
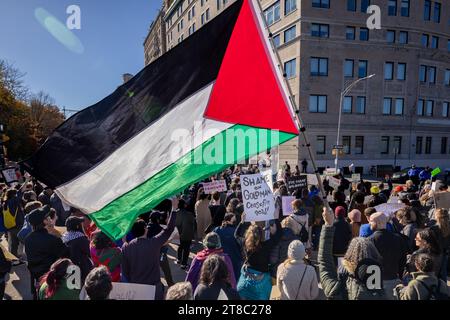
247	90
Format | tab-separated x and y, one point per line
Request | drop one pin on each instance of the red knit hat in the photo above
339	212
398	189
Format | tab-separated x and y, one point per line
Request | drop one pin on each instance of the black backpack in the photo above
304	234
434	292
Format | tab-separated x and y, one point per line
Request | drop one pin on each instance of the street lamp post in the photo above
343	93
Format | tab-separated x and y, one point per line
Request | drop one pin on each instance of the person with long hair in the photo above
105	253
214	281
426	242
351	279
442	232
53	284
295	279
408	220
202	213
255	282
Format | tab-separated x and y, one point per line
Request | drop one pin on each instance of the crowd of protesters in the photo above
333	243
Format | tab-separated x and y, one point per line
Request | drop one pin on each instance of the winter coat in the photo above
416	290
343	285
203	217
80	253
231	247
185	223
342	236
297	281
278	254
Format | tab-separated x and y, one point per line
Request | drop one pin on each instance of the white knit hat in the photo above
296	250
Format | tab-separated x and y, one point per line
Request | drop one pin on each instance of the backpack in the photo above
434	292
9	220
304	234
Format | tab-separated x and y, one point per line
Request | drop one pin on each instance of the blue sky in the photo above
112	34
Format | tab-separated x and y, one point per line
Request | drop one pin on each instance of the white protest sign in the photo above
331	172
389	208
312	179
132	291
267	175
356	177
393	200
334	182
442	200
434	186
259	203
9	174
286	204
218	185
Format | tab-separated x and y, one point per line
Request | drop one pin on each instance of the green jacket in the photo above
343	285
63	293
415	290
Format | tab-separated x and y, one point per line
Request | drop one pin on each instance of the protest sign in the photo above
295	182
389	208
442	200
312	179
393	200
286	204
434	186
356	177
331	172
435	172
9	174
267	175
259	203
127	291
211	187
334	182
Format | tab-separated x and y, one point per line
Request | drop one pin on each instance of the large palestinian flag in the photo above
214	100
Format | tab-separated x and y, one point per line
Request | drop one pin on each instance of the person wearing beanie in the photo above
375	198
392	248
355	222
342	233
212	245
295	279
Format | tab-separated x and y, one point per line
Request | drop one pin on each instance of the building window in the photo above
317	104
290	68
397	145
320	30
428	142
361	105
321	144
403	37
319	66
364	34
350	33
348	68
193	11
448	45
202	2
423	73
392	7
273	13
420	107
362	68
289	6
387	106
351	5
429	108
207	14
203	18
401	71
384	145
445	107
289	34
437	12
434	42
189	16
443	145
447	77
218	5
276	40
404	11
432	74
359	145
419	141
427	10
399	105
390	36
364	5
425	40
321	3
346	143
388	71
347	105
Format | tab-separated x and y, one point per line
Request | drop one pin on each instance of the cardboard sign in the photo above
295	182
267	175
389	208
312	179
211	187
9	174
334	182
442	200
127	291
286	204
356	177
259	203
